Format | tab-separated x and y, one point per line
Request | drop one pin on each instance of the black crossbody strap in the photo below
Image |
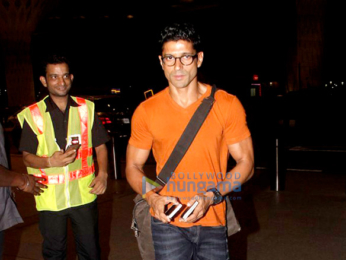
186	138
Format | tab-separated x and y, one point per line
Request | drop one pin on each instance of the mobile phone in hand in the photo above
174	209
72	147
189	210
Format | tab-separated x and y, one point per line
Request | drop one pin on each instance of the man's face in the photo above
180	75
58	79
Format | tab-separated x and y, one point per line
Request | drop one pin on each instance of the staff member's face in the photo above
180	75
58	79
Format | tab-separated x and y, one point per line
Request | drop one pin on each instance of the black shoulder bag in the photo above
141	219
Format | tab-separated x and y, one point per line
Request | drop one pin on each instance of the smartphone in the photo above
72	147
189	210
173	210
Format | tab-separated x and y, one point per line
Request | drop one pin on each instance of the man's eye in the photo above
187	57
169	58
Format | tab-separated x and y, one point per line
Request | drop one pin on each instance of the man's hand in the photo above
32	185
158	204
61	159
204	202
99	184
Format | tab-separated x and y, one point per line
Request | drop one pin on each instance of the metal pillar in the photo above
278	168
277	165
114	159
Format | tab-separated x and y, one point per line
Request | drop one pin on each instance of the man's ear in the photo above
200	58
43	81
71	77
160	59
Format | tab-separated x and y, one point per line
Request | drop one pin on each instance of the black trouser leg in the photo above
84	220
53	227
1	243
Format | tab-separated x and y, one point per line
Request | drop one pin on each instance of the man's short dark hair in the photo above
181	31
53	59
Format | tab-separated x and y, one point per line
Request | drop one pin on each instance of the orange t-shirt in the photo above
158	123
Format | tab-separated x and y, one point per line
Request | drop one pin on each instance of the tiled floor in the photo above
306	221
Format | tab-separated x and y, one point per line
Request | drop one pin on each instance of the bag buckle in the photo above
134	227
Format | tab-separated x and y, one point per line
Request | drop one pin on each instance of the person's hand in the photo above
32	185
204	202
158	203
99	184
61	159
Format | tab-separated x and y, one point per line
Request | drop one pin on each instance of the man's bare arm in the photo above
135	161
243	154
99	184
102	158
58	159
24	182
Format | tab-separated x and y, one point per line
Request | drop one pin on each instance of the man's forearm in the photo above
135	161
134	177
102	159
240	174
34	161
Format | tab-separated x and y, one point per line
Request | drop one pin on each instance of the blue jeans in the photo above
197	243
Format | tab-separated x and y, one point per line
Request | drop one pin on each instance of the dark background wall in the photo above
111	50
299	45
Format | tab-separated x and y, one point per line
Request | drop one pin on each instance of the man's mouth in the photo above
178	77
61	88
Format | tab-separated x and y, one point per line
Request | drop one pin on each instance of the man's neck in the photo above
61	102
186	96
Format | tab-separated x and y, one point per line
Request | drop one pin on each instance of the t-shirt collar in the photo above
51	105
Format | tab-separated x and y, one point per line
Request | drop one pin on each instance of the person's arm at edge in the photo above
99	184
24	182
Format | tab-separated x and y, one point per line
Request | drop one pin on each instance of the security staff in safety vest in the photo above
48	128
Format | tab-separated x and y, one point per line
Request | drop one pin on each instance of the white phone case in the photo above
190	210
177	208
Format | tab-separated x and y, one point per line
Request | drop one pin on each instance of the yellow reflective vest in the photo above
67	186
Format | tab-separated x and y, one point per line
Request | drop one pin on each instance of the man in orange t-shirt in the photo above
201	175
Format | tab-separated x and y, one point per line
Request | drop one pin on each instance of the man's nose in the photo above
178	64
61	81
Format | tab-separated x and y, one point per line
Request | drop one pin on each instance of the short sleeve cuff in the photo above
140	145
238	138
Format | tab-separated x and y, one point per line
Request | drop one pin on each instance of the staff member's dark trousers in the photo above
84	222
1	243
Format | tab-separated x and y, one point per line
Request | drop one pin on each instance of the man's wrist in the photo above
149	195
217	196
49	163
210	197
102	173
26	182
